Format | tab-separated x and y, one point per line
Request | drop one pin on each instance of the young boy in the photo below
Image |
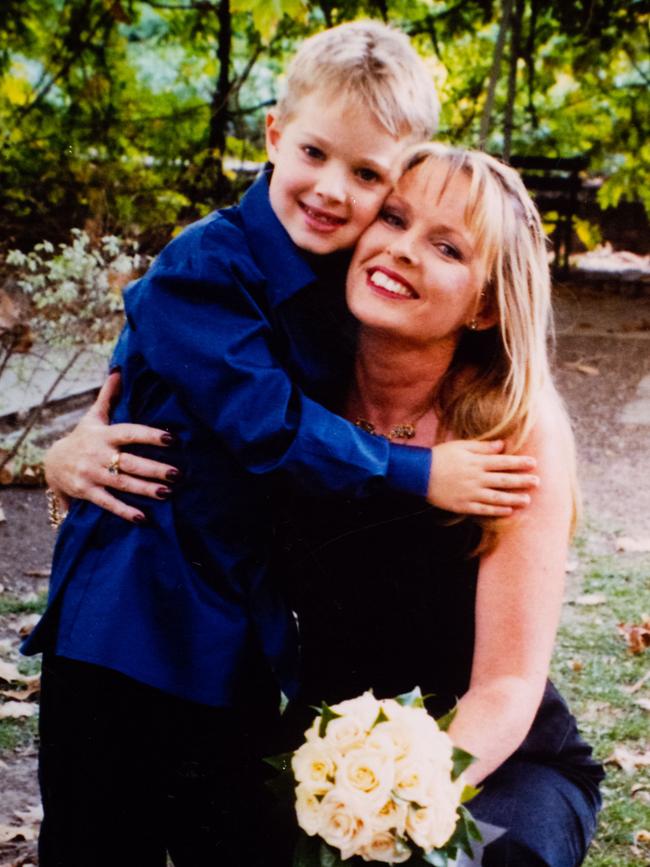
163	639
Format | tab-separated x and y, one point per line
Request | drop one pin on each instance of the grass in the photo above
15	733
592	667
15	605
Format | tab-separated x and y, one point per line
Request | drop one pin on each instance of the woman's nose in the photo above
403	249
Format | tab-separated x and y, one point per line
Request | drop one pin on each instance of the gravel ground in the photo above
603	353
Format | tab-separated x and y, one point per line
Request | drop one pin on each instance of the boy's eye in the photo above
313	152
368	175
392	218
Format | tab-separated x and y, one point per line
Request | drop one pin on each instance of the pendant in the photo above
399	432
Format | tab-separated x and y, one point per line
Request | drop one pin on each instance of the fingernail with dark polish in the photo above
163	493
168	439
140	519
173	475
116	368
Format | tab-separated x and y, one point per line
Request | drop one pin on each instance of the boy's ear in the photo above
273	134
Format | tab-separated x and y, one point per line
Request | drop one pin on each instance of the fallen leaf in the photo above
575	665
37	573
21	694
591	599
16	710
10	673
629	545
628	760
12	832
587	369
27	623
34	814
637	636
636	686
642	836
643	703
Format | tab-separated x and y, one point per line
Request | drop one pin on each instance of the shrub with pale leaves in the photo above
75	290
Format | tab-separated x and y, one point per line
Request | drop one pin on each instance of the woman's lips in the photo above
390	284
321	221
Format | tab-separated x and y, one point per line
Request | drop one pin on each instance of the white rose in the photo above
312	733
314	763
344	822
395	733
386	848
308	809
367	772
345	733
365	708
391	816
430	827
414	780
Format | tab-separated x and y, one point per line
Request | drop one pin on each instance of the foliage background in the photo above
116	115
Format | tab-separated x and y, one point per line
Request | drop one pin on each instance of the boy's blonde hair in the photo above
373	65
498	376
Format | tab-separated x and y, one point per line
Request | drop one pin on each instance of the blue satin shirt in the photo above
230	337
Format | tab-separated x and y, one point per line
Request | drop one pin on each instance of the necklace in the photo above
398	432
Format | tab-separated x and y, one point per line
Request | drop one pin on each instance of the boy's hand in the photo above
472	478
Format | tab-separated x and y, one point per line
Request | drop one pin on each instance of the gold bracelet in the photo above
55	515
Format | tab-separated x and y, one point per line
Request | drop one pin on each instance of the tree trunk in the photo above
506	10
219	114
515	51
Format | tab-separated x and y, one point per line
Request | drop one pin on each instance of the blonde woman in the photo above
451	291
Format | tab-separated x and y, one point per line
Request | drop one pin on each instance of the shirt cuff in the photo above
409	468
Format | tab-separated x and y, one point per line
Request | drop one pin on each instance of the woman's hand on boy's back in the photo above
77	466
472	477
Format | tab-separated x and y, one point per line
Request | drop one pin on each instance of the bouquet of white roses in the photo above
380	779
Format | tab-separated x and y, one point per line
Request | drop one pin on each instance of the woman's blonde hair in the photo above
495	381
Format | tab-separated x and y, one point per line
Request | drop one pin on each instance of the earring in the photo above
473	324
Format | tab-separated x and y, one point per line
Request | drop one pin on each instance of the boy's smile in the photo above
332	171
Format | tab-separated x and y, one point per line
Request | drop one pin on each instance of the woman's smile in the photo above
390	284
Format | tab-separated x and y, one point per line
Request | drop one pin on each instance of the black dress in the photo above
384	590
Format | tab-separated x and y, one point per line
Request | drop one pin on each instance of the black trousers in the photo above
129	774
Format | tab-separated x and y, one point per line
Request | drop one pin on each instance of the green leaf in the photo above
437	857
283	787
411	699
470	824
381	717
461	760
281	762
307	852
468	793
329	857
466	830
445	721
326	717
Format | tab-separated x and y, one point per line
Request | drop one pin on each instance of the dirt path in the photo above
603	356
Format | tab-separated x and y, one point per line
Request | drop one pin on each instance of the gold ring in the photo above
114	465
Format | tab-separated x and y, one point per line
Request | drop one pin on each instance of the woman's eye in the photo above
368	175
449	251
313	152
391	218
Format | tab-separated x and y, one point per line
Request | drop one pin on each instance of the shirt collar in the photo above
286	268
